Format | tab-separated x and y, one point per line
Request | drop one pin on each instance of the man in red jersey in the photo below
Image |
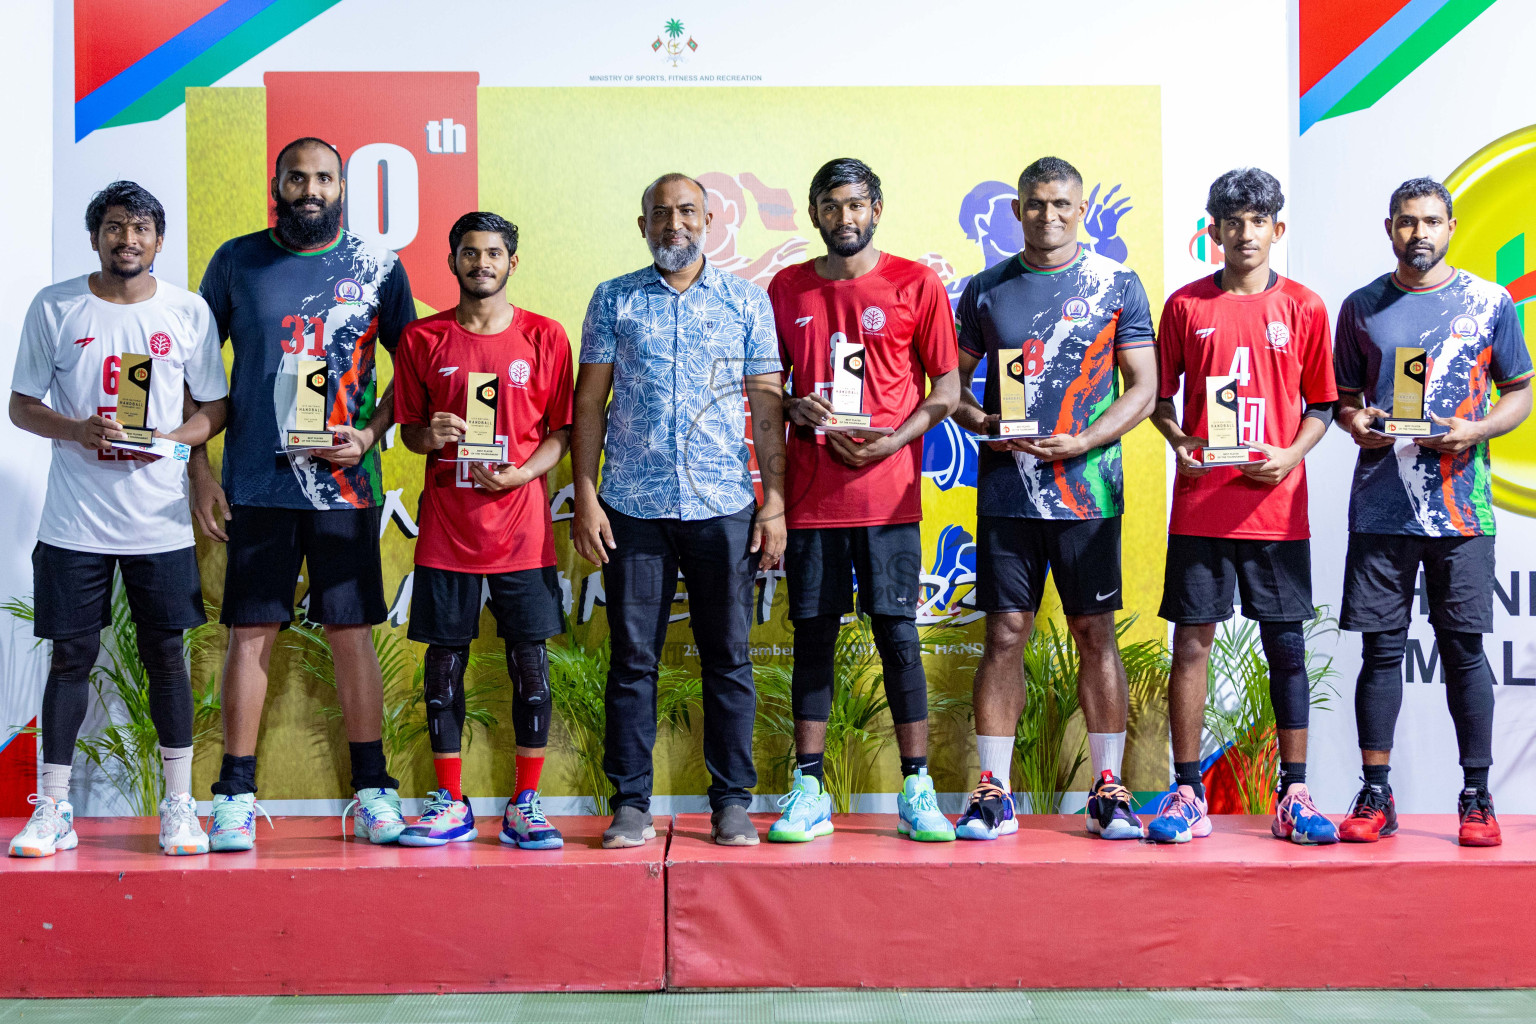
485	521
854	498
1243	528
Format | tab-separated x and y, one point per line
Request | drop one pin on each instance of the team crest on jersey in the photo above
873	318
1278	334
348	291
1464	326
1075	309
159	344
519	372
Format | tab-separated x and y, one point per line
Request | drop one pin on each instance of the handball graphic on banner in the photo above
480	444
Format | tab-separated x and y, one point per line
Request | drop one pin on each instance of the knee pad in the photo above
528	665
72	659
901	658
1285	649
443	678
811	676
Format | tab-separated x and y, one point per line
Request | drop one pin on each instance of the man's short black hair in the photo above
482	221
1418	188
308	140
1244	190
845	170
132	197
1047	169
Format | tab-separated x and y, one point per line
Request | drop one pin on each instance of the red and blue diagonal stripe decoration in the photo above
1353	54
130	69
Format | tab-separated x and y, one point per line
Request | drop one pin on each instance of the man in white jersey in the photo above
110	507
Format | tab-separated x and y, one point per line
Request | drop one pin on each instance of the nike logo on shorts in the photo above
1106	597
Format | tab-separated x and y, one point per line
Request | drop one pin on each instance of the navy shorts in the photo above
1273	577
72	591
445	605
821	564
267	547
1381	571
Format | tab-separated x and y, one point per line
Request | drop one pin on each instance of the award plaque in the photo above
1410	373
848	365
1222	433
480	444
308	429
133	384
1015	395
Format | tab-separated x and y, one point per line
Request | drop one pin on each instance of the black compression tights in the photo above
1468	691
901	659
67	695
1286	651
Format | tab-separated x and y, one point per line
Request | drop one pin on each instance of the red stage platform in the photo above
310	912
1052	907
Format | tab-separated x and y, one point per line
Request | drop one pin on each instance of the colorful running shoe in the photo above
807	812
1109	811
524	824
444	820
180	833
232	825
1372	816
917	811
1298	819
989	813
1478	825
1179	818
378	818
50	829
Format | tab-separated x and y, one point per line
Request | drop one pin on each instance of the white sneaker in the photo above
180	833
52	828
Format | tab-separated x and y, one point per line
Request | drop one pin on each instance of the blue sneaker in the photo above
444	820
917	811
232	822
1109	811
525	826
1298	819
807	812
989	814
1179	818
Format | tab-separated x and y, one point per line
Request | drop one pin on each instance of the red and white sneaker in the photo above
1478	825
1372	816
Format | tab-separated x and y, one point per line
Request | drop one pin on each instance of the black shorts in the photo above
445	605
266	548
1014	554
72	591
821	563
1273	577
1381	571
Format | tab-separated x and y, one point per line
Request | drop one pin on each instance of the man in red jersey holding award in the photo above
484	391
860	333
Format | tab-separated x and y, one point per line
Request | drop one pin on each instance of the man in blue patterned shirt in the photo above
677	344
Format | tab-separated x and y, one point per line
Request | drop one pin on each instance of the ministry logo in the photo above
673	49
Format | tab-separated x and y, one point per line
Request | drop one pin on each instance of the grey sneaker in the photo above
631	827
730	826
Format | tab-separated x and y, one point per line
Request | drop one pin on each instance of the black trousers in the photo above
640	580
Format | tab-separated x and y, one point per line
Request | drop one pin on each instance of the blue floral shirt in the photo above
676	445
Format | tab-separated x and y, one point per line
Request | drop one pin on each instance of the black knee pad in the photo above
810	683
901	657
1285	649
528	665
443	687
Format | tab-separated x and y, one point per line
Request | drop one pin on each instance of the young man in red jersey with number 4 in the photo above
485	523
1242	527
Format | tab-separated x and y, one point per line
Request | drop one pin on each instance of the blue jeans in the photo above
640	580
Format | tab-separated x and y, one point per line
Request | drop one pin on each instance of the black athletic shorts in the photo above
1381	571
266	548
1014	554
821	564
445	605
72	590
1273	577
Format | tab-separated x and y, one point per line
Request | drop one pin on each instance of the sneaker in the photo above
990	812
1298	819
1372	816
50	829
525	826
180	833
1179	818
1109	811
917	811
730	826
378	818
1478	825
631	827
444	820
807	812
232	823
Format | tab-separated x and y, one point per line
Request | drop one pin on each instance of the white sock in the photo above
53	781
1107	750
178	769
996	756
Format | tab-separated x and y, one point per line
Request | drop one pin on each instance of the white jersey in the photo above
71	351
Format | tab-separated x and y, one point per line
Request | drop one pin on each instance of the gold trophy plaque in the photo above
480	444
133	384
309	429
1222	444
1015	393
849	364
1410	372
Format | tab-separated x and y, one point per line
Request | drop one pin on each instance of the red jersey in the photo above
465	528
901	313
1276	344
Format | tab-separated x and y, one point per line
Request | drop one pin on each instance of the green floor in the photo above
798	1007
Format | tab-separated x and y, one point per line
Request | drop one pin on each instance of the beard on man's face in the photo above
846	243
1422	256
682	251
483	286
304	226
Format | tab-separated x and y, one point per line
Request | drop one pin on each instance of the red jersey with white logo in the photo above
901	314
1276	344
465	528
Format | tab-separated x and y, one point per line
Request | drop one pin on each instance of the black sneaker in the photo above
730	826
631	827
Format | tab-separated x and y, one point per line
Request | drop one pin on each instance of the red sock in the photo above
450	774
528	769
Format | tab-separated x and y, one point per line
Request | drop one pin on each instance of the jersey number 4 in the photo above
294	343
